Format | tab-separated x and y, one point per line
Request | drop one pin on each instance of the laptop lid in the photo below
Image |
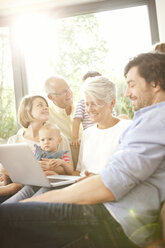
22	167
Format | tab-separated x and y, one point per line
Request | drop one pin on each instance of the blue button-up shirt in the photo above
136	174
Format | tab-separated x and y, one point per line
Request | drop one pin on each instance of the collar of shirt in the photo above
60	110
141	111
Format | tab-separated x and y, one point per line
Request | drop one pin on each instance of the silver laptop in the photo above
22	167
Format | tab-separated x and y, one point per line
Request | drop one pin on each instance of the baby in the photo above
50	138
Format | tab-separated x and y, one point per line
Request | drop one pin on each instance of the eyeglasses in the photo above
64	93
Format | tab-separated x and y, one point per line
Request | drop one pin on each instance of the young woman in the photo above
32	114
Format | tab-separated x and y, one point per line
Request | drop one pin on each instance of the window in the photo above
71	46
7	99
100	36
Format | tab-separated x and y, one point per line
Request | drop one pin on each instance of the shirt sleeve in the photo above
80	108
66	158
12	140
140	154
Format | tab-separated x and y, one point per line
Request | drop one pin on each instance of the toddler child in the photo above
50	138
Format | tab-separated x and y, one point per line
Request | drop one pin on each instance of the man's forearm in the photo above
88	191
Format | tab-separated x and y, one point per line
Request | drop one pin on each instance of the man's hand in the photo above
86	174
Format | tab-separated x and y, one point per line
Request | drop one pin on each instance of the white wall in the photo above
160	8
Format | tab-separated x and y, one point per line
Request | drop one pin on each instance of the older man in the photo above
61	108
131	187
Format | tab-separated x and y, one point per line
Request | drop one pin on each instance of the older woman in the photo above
32	114
101	140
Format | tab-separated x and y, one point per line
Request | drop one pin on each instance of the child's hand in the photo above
75	142
51	164
47	164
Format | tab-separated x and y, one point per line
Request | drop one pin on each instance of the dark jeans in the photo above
4	198
52	225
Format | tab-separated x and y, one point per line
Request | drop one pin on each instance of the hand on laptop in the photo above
86	174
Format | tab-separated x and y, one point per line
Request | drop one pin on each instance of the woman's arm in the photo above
57	165
76	173
68	168
65	146
88	191
66	165
63	165
4	177
10	189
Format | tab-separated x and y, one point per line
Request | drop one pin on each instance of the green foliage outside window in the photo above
7	104
124	106
7	114
80	48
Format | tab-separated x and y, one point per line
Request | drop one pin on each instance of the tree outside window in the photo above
7	102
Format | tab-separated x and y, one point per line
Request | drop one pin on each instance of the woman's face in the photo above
97	110
40	111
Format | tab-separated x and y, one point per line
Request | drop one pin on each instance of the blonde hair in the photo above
25	108
52	127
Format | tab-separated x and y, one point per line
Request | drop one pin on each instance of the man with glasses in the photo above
61	108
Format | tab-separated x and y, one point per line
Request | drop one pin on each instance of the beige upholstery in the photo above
75	153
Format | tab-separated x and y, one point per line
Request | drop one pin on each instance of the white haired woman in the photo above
101	140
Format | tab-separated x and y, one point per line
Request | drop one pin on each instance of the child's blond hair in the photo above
49	126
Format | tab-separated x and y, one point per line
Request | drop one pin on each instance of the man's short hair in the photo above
151	67
91	74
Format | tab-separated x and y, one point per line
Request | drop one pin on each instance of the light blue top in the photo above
136	174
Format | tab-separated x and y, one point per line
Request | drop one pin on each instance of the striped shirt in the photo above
66	158
81	113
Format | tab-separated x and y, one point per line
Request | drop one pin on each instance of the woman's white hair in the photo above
100	88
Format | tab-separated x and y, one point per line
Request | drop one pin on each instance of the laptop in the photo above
22	167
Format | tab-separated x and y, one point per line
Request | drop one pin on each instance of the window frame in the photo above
18	60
